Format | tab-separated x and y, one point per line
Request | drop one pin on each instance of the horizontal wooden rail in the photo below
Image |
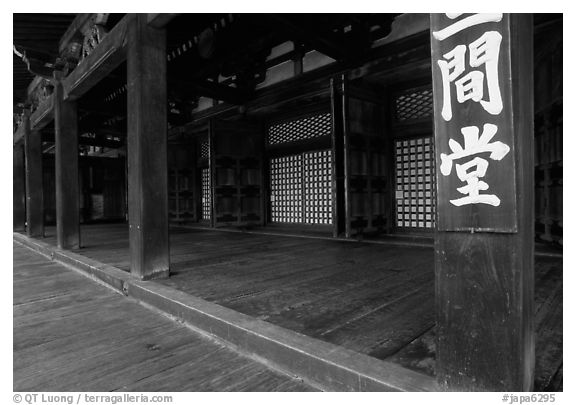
106	57
43	115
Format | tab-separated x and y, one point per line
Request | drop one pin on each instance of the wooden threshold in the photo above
318	363
388	240
397	239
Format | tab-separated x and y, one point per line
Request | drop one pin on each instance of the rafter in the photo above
333	44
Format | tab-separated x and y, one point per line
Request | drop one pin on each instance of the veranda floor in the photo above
377	299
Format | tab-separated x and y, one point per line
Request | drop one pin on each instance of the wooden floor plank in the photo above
71	334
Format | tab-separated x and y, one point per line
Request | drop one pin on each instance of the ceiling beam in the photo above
160	20
99	140
333	44
231	47
210	89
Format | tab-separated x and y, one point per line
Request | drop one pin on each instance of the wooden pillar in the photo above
339	194
147	150
484	245
34	183
66	164
19	189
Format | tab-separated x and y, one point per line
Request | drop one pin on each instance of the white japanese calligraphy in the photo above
474	144
464	23
484	51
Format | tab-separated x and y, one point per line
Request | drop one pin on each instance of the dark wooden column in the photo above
19	188
66	164
34	183
484	248
339	117
147	150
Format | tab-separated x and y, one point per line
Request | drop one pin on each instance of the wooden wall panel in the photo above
182	182
236	159
366	154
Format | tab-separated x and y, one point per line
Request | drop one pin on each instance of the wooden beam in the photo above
34	83
210	89
43	115
34	183
160	20
484	245
19	189
336	45
233	45
147	150
66	163
100	141
106	57
74	30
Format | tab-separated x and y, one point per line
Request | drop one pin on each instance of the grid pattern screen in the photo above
286	189
300	129
415	198
205	149
206	195
318	187
414	105
301	188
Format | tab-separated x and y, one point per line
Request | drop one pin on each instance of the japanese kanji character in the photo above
474	144
464	23
483	51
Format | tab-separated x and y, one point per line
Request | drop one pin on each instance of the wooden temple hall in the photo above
362	201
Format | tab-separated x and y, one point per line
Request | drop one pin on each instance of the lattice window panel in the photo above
318	187
297	130
414	105
206	194
415	192
204	149
286	189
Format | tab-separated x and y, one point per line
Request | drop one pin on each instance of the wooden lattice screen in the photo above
300	187
206	194
414	105
305	128
286	189
205	149
415	199
301	183
318	187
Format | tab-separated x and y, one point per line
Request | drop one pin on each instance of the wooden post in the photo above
34	183
19	189
66	164
338	174
484	248
147	150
